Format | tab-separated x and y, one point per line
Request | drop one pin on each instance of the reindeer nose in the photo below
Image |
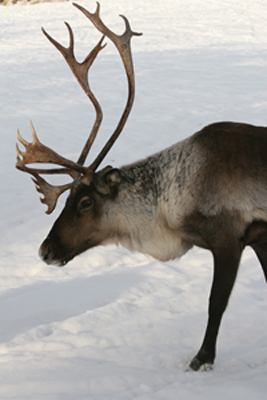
47	252
52	253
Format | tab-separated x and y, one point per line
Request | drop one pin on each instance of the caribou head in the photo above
79	225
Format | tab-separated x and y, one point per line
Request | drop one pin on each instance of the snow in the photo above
112	324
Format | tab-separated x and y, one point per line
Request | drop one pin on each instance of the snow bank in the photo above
115	325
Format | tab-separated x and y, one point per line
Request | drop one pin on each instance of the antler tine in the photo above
80	71
36	152
51	193
123	45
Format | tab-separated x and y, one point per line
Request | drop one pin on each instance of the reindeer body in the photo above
218	173
209	190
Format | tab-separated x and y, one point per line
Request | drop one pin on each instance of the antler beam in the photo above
122	43
80	71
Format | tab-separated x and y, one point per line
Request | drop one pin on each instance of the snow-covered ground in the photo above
111	324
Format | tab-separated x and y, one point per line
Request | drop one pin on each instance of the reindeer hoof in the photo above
197	365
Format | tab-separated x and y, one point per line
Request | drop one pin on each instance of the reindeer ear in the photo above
108	180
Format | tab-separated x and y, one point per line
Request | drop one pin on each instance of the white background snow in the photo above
111	324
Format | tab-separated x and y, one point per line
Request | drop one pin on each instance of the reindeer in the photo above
209	190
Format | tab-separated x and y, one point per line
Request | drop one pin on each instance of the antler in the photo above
123	45
36	152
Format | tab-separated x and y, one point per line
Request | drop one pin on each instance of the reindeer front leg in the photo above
226	262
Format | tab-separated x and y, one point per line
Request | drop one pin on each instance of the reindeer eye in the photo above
85	204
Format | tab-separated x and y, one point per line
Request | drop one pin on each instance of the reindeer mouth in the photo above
56	262
55	255
59	263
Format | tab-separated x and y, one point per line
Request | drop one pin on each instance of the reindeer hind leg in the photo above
256	237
